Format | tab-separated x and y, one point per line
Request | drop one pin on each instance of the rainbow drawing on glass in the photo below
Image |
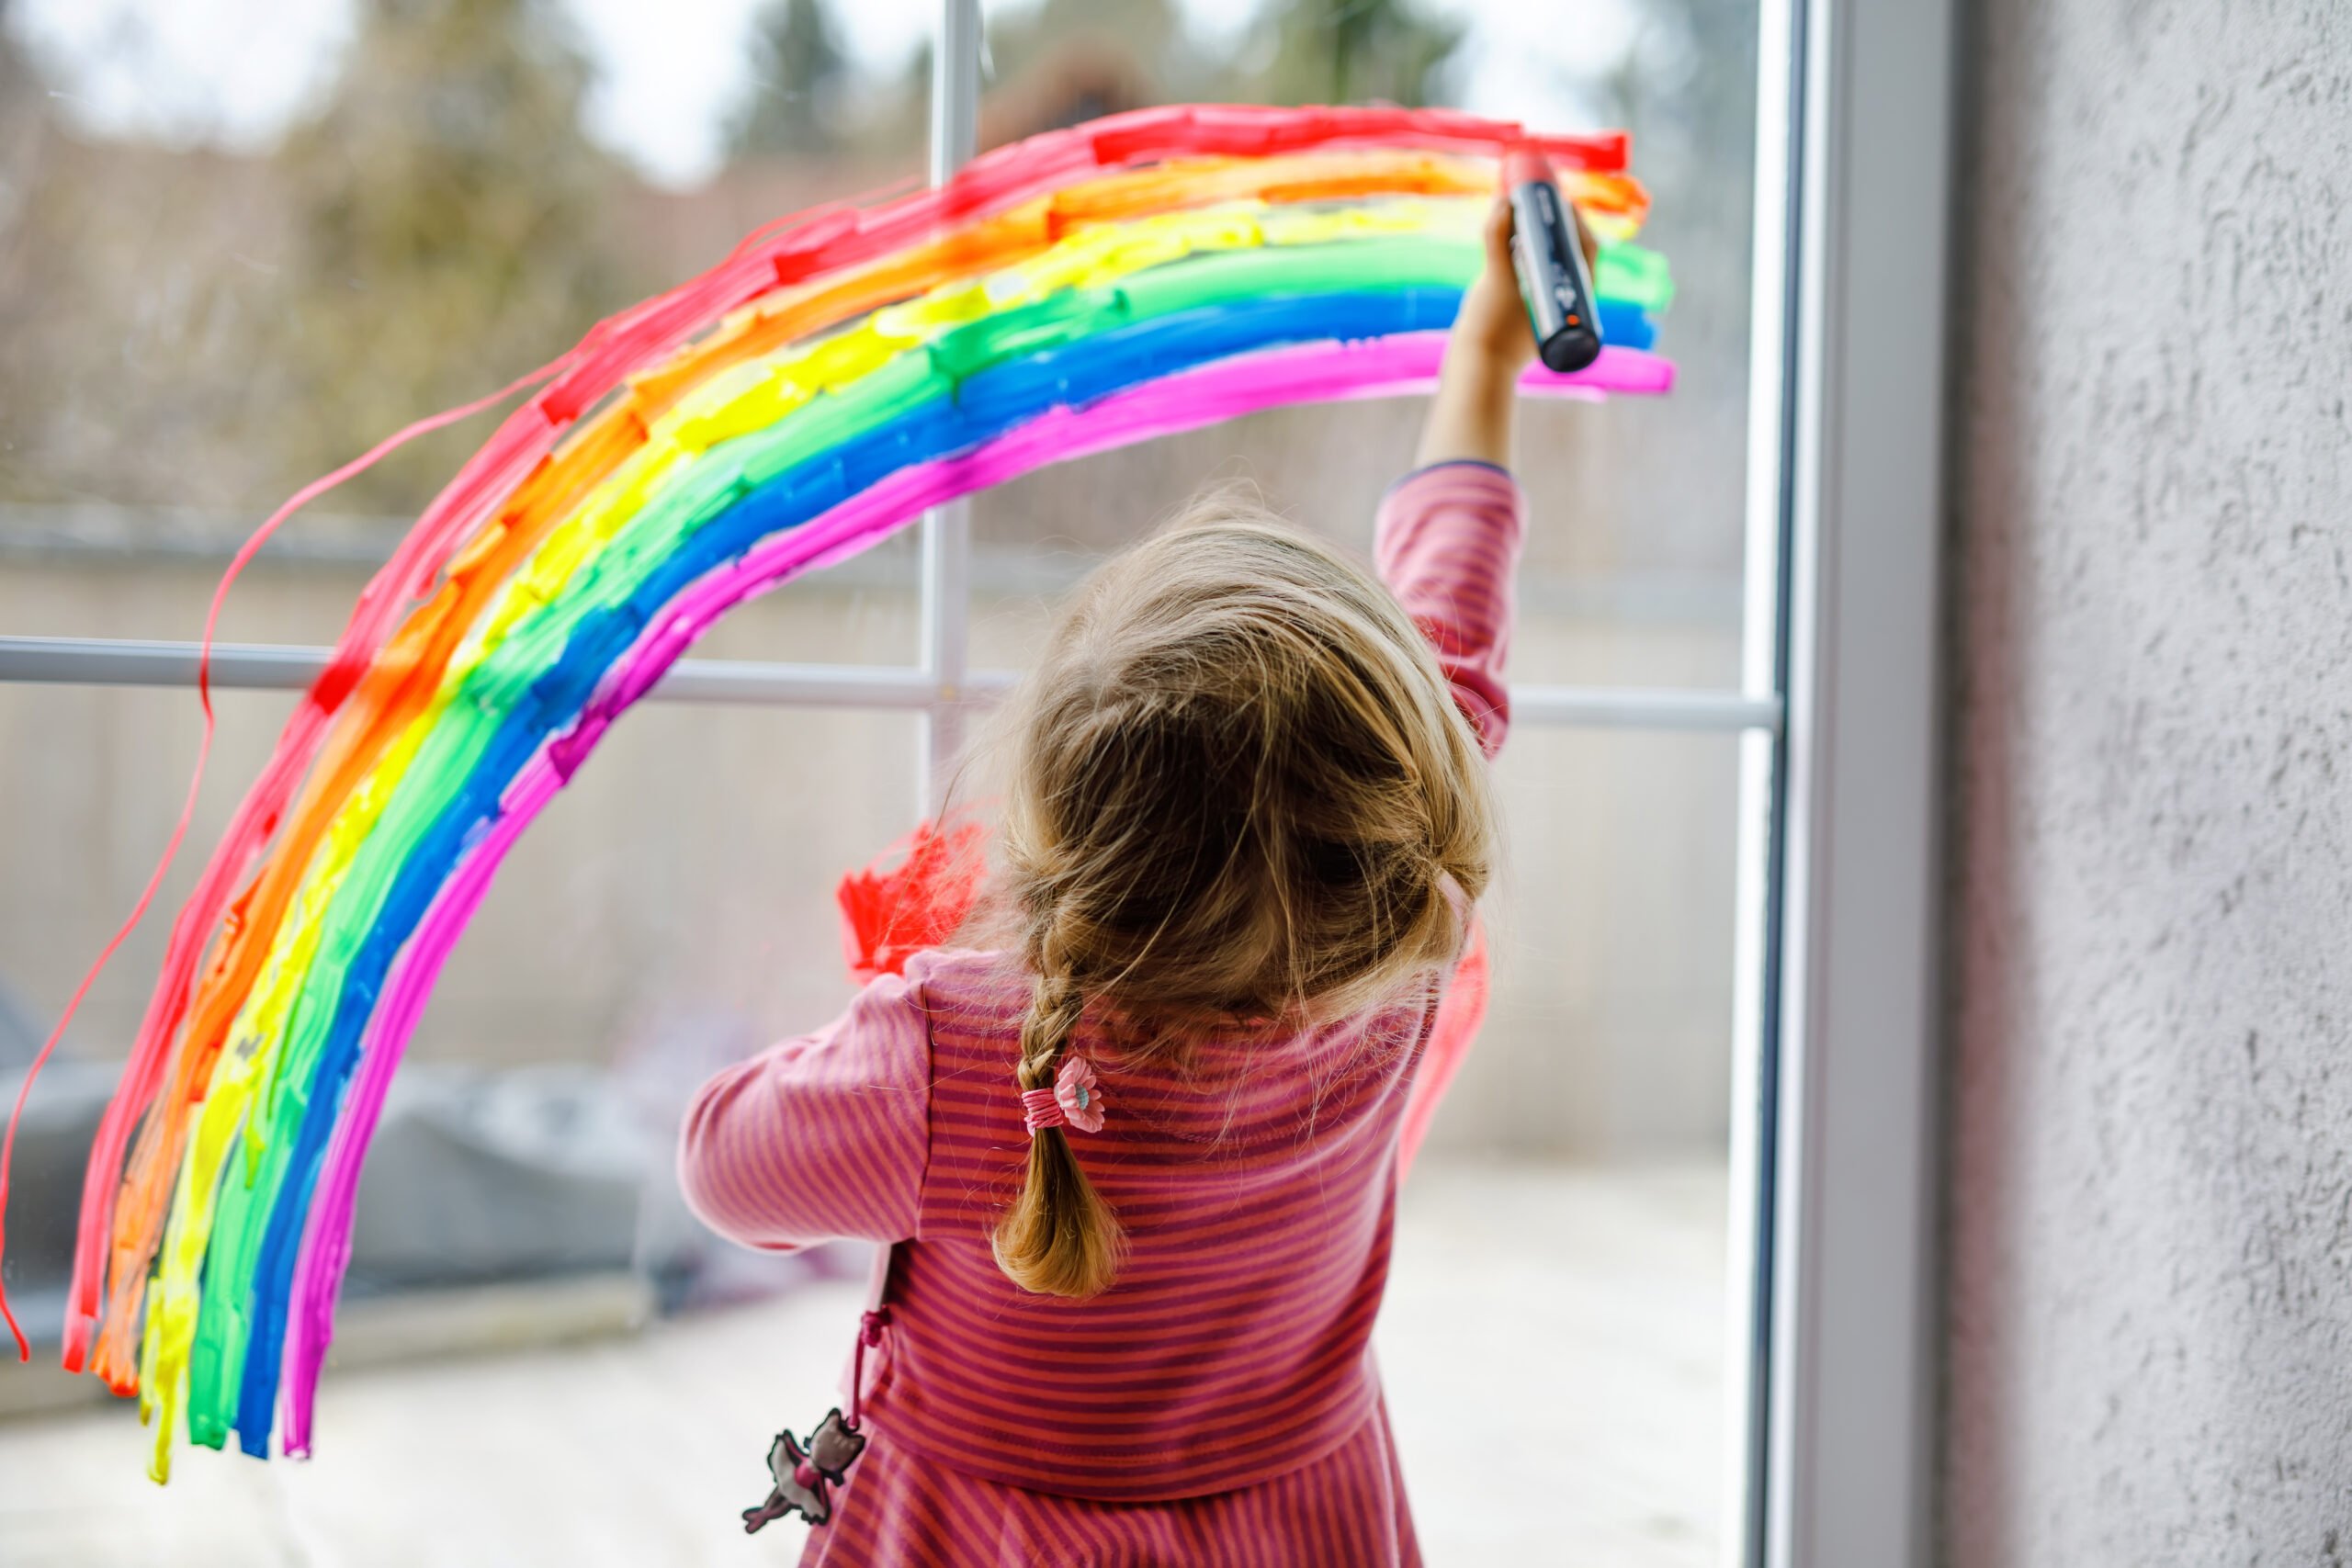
814	393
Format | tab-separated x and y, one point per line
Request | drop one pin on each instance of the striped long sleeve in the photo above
1447	541
822	1136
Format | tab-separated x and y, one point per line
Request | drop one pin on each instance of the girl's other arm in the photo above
818	1137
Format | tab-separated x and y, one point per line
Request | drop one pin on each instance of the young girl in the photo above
1137	1174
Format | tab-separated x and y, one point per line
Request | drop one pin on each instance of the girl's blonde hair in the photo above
1239	791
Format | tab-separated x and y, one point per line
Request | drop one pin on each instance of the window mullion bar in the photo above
115	662
947	530
290	667
1642	707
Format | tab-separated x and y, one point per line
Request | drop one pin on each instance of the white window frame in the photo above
1834	1025
1852	226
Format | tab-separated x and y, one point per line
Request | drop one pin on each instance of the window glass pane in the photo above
1634	562
229	269
1553	1338
1559	1282
1606	1037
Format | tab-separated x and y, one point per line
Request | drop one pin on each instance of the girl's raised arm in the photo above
1448	535
1447	543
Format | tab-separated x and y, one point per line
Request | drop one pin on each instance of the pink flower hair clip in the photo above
1075	1100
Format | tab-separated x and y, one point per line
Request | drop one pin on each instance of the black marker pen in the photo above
1553	279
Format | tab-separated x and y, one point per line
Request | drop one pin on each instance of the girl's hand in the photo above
1492	325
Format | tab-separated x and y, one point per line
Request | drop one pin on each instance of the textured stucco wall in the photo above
2149	1273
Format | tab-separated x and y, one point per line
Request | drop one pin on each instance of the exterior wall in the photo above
2150	1137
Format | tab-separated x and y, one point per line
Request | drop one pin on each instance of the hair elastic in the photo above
1075	1100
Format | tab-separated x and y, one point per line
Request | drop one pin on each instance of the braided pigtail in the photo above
1059	1238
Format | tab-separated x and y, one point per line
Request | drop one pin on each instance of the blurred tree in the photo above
73	371
885	114
1067	60
798	76
1687	88
1150	32
446	239
21	94
23	260
23	122
1343	51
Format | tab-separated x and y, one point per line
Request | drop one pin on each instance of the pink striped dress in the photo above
1219	1404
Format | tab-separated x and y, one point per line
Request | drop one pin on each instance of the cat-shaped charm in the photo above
805	1477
